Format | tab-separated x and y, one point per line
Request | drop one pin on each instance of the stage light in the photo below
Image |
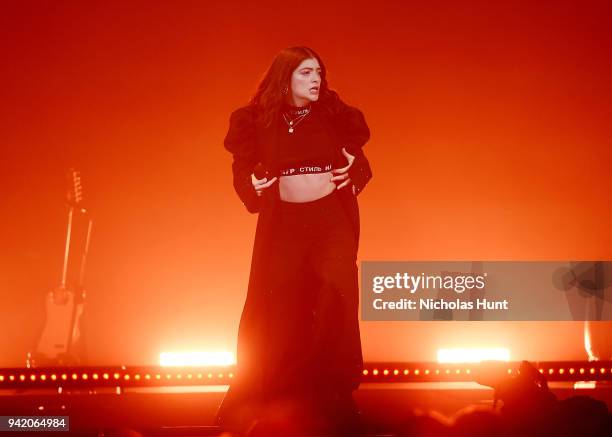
476	355
584	385
588	347
196	359
435	372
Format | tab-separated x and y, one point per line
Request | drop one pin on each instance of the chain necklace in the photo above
293	123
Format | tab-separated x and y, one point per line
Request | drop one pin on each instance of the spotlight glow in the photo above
465	355
196	359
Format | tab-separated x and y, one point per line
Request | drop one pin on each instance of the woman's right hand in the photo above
261	184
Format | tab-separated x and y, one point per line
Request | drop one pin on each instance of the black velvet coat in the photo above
260	363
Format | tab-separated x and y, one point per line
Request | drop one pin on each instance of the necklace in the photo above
301	114
299	111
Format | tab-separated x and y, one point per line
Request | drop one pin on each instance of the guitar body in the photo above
61	334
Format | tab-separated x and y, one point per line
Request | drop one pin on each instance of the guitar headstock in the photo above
74	189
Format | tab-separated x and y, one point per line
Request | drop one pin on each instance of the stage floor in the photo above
189	410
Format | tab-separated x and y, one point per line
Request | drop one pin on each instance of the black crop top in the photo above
309	148
253	146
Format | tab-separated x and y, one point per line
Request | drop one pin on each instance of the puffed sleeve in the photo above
352	127
354	134
241	142
360	172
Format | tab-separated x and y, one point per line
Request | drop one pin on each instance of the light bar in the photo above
476	355
585	385
384	372
196	359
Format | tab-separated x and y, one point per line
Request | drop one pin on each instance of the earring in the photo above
285	90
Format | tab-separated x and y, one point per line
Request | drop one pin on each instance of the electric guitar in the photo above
60	342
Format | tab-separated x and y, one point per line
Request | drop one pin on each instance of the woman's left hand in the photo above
342	173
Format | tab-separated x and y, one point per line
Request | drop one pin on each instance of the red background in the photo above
490	141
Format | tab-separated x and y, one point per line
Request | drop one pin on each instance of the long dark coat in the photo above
266	356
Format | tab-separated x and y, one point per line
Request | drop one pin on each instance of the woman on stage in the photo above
298	162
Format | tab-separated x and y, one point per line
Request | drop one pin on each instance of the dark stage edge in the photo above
190	410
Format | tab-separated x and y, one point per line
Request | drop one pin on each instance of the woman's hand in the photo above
261	184
342	173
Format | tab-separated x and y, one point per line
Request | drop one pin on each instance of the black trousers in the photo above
313	328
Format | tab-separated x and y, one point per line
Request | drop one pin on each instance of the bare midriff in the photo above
305	187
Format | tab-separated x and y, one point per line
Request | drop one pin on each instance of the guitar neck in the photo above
67	248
